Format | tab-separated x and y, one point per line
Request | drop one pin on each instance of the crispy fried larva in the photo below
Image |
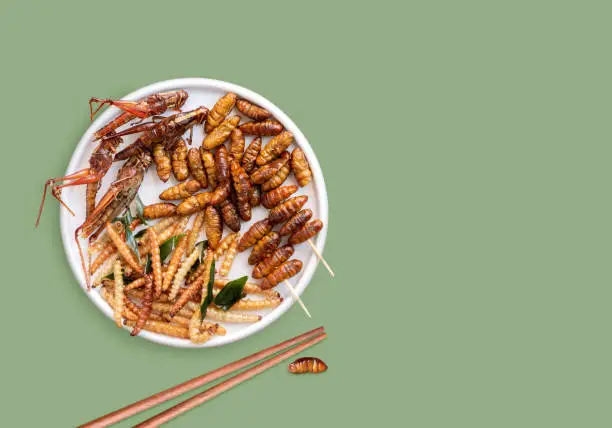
104	240
208	160
276	196
307	365
287	209
264	128
242	186
300	167
255	196
285	271
221	193
124	251
163	209
180	191
251	110
278	179
184	321
271	262
267	171
155	261
162	327
105	270
108	296
295	222
255	233
249	287
145	310
250	155
196	167
220	133
275	147
195	324
236	148
255	305
224	245
195	286
137	283
179	161
182	272
229	257
194	203
230	215
194	233
306	232
221	109
231	317
264	247
106	252
222	164
118	273
175	260
214	227
175	227
162	162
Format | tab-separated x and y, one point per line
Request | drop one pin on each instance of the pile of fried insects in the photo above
152	268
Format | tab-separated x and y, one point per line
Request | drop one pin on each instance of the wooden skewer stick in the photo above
296	297
331	272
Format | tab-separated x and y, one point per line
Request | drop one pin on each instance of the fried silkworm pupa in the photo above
208	160
221	193
230	215
276	196
264	247
196	167
162	162
264	128
284	271
274	148
180	191
194	203
255	196
269	170
251	110
250	155
163	209
306	232
220	133
300	167
221	109
179	160
287	209
222	164
271	262
307	365
242	186
255	233
278	178
236	148
297	221
214	227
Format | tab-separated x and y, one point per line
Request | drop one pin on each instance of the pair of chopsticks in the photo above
303	341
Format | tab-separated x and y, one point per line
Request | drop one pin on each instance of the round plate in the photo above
201	92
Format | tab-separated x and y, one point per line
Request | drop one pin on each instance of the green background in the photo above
466	149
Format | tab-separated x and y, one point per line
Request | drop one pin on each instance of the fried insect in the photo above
214	227
295	222
255	196
105	270
249	287
155	261
175	260
123	250
306	232
224	245
181	273
307	365
196	167
255	305
189	292
264	128
145	310
196	335
221	109
278	179
222	164
118	273
162	162
162	327
231	317
264	247
275	147
209	165
300	167
220	133
276	196
250	155
108	251
137	283
242	186
180	191
198	224
251	110
179	160
267	171
271	262
236	148
162	209
284	271
255	233
229	257
230	215
221	193
287	209
194	203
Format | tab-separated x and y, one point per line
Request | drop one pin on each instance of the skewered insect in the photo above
255	196
180	191
163	209
257	231
209	165
264	128
236	148
306	232
220	133
214	227
243	191
295	222
264	247
275	147
196	167
194	203
287	209
271	262
162	162
230	215
276	196
284	271
179	160
250	155
251	110
222	164
300	167
221	109
267	171
307	365
278	179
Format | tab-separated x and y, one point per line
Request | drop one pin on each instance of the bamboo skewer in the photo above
329	269
296	297
182	388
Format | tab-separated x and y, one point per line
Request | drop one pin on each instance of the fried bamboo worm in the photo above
145	311
137	283
104	241
118	273
155	262
179	160
194	233
106	252
174	229
255	305
184	321
250	155
252	110
196	335
231	317
182	272
225	244
173	265
229	258
109	298
284	271
125	253
160	210
274	148
162	328
180	191
105	270
300	167
195	286
219	112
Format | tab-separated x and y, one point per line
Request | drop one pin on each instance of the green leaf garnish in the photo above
140	210
168	246
209	290
231	293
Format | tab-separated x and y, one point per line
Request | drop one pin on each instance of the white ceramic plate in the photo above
201	92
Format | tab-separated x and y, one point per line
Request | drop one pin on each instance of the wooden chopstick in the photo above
182	388
212	392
